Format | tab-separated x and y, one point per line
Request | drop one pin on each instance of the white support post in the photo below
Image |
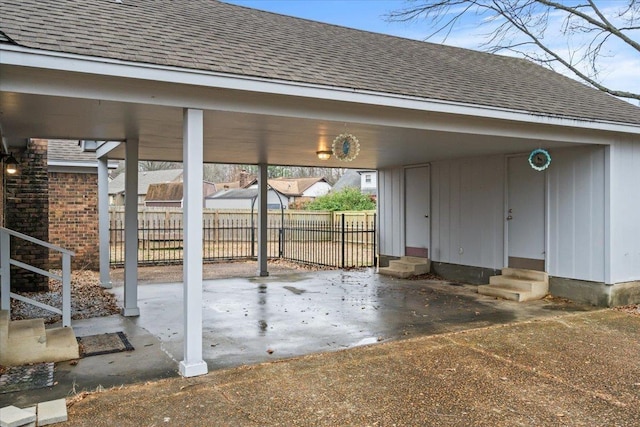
193	363
103	221
5	269
131	230
66	290
262	223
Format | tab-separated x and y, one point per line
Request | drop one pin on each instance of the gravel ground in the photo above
88	299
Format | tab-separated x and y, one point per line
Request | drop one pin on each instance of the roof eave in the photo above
62	61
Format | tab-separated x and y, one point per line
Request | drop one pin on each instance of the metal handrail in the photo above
5	274
36	241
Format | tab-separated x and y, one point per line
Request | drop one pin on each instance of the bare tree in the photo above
591	32
146	165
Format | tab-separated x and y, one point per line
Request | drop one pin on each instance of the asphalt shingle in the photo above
218	37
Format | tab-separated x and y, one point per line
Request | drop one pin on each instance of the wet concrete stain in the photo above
294	290
324	311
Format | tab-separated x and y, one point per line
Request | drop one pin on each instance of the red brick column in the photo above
73	218
27	211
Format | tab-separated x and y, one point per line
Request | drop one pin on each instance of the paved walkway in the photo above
575	369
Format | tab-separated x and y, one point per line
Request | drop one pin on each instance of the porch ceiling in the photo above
244	126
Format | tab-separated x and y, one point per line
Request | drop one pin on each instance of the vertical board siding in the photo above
625	211
391	211
576	213
467	204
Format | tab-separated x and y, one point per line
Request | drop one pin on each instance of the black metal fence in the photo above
342	242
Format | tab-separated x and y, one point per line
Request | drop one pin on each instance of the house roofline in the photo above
61	61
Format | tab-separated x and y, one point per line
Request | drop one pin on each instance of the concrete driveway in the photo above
254	320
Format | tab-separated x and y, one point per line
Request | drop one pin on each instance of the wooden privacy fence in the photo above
335	239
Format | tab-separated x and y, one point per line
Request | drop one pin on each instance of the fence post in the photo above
375	240
66	290
253	238
343	240
5	270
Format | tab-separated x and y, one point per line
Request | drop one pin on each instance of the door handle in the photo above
509	218
426	216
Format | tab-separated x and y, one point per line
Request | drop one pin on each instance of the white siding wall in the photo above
318	189
373	180
391	211
576	194
467	205
227	203
467	212
625	211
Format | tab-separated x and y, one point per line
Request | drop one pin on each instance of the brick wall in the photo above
27	211
73	218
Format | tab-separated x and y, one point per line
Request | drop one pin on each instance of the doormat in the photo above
27	377
94	345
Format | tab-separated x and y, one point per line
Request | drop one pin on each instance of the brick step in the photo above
506	293
535	286
406	266
61	345
517	284
519	273
27	341
401	274
416	269
415	260
4	324
27	329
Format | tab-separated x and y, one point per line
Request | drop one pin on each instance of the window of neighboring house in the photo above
367	178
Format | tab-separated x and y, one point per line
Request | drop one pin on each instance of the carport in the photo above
210	82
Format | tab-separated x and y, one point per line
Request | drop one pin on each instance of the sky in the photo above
620	70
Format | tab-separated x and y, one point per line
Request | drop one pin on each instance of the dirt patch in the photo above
631	309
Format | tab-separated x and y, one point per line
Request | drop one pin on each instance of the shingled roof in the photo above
218	37
68	150
145	179
290	187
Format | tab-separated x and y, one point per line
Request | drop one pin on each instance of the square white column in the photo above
131	230
193	364
103	220
262	220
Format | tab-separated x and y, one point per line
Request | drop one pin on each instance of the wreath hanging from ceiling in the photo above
345	147
539	159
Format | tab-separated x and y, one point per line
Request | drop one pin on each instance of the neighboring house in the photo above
364	180
221	186
245	198
368	182
298	190
145	178
170	194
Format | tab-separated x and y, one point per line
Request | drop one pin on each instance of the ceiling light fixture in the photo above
324	154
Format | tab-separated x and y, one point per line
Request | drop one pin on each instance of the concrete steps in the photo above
27	341
406	266
517	285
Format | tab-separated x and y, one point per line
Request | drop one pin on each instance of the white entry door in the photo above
417	187
525	215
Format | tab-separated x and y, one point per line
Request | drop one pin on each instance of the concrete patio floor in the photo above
253	320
